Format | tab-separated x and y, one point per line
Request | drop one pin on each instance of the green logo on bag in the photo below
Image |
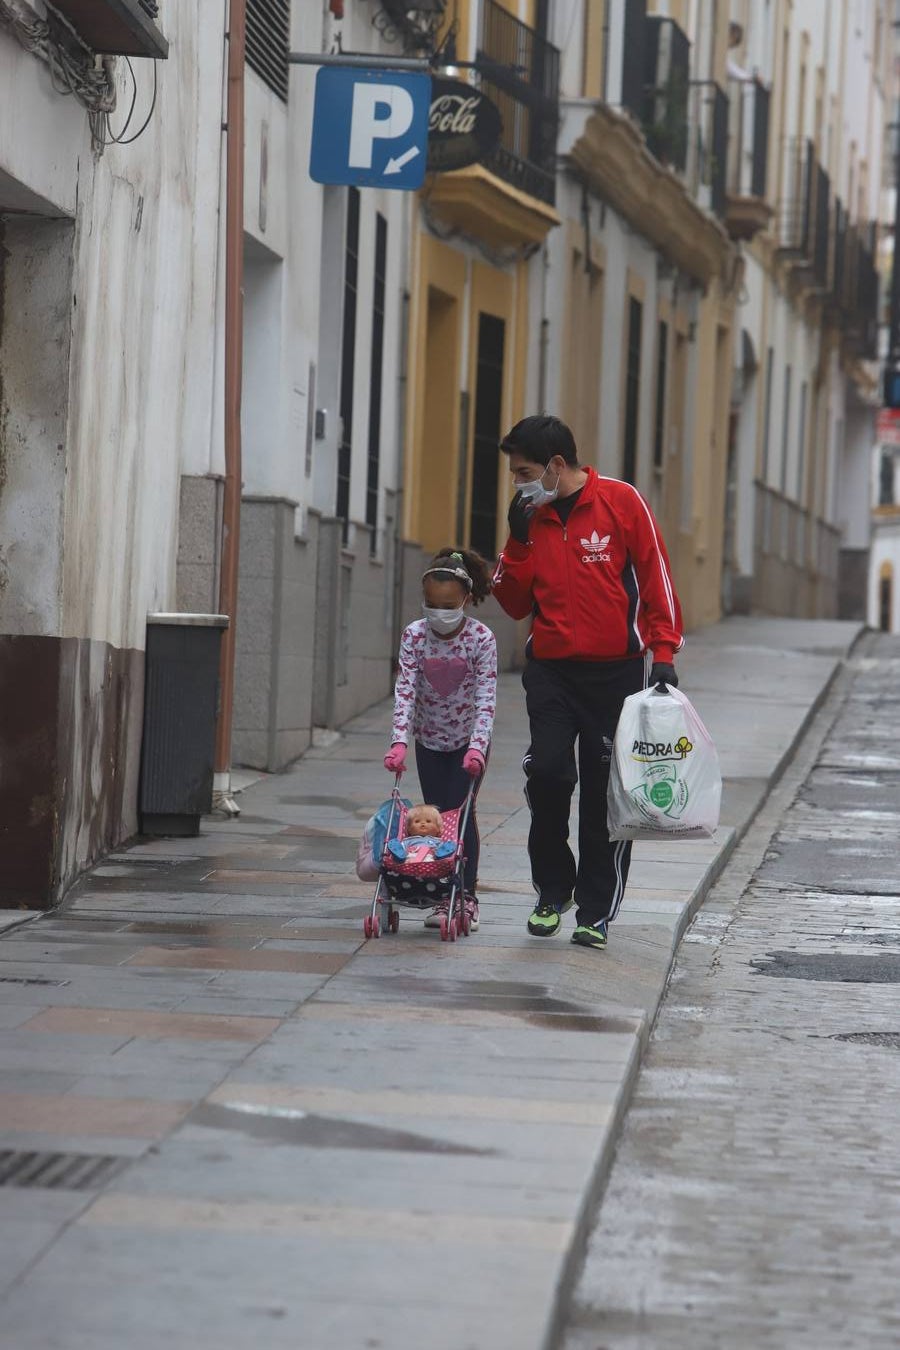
661	795
661	792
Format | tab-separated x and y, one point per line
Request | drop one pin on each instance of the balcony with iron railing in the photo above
684	121
518	69
656	147
707	151
506	198
747	211
667	70
855	289
802	227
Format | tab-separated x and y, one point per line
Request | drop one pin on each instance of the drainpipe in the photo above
544	339
234	325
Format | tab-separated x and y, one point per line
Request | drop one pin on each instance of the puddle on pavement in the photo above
533	1003
883	1040
830	967
610	1026
311	1131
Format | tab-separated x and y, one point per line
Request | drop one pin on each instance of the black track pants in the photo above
444	785
569	701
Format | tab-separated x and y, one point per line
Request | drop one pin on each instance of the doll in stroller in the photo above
422	864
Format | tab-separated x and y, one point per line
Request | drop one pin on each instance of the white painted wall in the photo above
300	227
143	310
853	497
36	303
840	39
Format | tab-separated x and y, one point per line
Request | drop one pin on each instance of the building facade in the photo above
806	388
107	364
645	274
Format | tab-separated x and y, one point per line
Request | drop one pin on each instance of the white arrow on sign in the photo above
395	165
366	126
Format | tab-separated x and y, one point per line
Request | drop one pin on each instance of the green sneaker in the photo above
545	919
590	934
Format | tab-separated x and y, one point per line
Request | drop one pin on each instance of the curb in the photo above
26	916
573	1257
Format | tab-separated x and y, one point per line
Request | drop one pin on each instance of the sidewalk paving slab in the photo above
337	1143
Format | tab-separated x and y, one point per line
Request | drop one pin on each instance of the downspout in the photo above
234	326
544	338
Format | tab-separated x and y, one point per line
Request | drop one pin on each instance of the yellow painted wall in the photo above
594	25
450	292
432	464
700	555
492	292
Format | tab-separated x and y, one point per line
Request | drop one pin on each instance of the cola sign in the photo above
463	125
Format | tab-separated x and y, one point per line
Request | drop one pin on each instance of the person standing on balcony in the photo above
586	561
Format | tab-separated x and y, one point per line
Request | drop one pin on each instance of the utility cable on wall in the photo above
75	70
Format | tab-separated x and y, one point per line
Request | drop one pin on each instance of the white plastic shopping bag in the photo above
665	781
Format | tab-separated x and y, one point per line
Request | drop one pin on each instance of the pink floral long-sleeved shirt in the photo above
446	691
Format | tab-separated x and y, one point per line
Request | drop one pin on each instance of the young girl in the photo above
445	697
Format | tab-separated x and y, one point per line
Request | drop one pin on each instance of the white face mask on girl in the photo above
443	621
536	494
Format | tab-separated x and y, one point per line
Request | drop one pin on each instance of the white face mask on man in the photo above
535	494
443	621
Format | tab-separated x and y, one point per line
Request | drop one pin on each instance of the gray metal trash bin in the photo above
181	697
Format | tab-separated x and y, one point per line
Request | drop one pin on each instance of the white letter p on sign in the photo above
366	126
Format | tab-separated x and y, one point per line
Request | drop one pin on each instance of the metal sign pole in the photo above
359	61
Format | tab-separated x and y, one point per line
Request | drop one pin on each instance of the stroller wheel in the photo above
464	922
376	927
393	921
452	928
445	928
367	926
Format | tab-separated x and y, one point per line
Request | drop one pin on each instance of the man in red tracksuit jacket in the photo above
586	561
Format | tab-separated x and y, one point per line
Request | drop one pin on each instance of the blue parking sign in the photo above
370	127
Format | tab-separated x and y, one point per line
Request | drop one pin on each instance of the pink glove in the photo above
473	763
395	759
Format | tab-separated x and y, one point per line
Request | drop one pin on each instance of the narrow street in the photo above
225	1115
754	1197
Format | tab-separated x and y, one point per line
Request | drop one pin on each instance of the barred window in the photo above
268	42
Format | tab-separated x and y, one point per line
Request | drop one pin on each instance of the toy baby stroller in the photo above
422	884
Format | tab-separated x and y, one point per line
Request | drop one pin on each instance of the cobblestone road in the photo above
755	1197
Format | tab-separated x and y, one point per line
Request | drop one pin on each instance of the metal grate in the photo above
268	42
58	1171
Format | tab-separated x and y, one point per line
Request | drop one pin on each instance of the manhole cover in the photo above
830	967
58	1171
888	1040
